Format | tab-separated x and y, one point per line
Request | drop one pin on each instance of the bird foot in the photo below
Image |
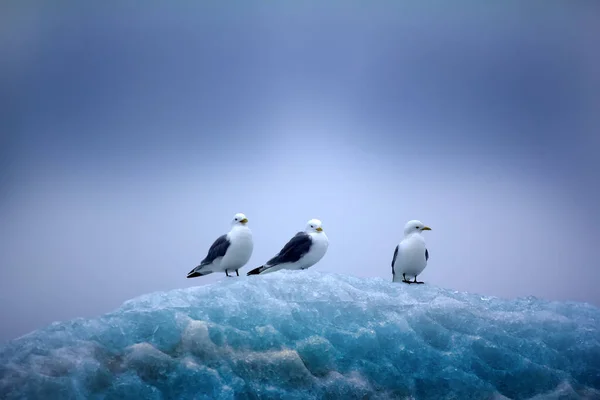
409	282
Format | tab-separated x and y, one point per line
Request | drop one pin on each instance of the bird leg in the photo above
226	273
416	281
237	273
405	280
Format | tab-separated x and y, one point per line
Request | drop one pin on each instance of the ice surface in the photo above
305	334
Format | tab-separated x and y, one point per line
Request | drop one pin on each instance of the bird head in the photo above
415	226
239	219
314	225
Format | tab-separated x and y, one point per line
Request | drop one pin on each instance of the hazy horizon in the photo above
133	135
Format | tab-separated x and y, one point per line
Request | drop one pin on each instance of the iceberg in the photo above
312	335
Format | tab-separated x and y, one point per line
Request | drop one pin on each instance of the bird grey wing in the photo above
293	250
218	249
394	259
426	255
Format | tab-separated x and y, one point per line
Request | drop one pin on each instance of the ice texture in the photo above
311	335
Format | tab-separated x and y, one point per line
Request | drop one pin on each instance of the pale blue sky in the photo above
130	136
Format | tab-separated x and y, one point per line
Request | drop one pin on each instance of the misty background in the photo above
130	136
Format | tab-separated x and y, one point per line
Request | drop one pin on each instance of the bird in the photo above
229	252
303	250
411	254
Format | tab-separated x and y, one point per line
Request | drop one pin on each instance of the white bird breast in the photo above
240	249
411	256
320	243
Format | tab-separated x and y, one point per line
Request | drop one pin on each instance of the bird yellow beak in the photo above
426	228
244	221
319	229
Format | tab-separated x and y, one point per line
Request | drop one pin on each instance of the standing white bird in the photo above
304	250
229	252
411	255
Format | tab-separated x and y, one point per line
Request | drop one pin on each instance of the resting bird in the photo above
229	252
302	251
411	255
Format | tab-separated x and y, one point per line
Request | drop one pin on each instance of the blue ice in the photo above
312	335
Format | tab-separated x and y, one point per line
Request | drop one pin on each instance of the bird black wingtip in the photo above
255	271
195	273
